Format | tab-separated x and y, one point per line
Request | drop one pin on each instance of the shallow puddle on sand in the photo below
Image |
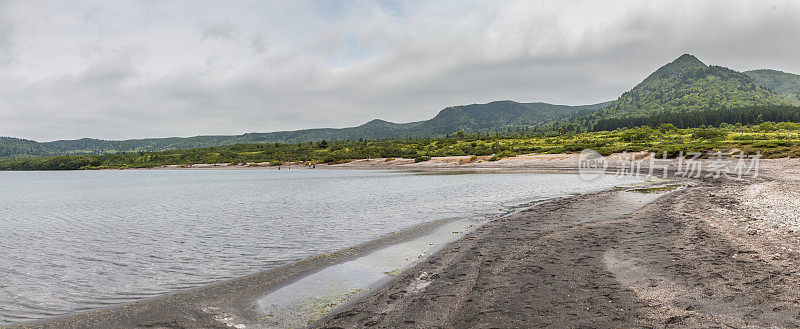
312	297
315	295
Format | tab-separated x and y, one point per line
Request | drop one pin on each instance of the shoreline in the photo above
417	280
525	163
231	297
701	256
229	302
215	305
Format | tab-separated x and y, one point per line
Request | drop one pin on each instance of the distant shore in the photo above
567	162
530	162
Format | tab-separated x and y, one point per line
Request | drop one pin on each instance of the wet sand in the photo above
314	296
608	260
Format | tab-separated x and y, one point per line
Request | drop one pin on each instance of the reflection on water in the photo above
74	241
313	296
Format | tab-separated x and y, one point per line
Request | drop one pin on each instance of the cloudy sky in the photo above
128	69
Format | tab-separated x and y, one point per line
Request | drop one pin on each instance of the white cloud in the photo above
128	69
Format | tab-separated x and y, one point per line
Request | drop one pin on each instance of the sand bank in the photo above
720	253
226	304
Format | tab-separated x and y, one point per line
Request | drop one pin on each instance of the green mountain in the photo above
687	84
685	92
781	83
496	116
475	118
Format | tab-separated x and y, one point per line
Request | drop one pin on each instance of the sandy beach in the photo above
702	253
718	253
520	163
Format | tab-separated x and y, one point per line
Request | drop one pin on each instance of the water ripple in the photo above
73	241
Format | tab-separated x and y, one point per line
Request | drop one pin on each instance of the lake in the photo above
79	240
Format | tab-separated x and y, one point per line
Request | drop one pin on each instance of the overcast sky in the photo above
130	69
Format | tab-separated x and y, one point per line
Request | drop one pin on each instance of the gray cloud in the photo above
158	69
221	31
258	43
6	29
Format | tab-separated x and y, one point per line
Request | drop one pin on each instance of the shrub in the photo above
709	134
637	135
276	163
666	127
744	138
501	155
421	159
767	126
604	151
788	126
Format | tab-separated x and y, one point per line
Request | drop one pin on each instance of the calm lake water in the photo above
73	241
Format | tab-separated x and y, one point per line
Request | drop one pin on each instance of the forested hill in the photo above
475	118
688	93
687	84
781	83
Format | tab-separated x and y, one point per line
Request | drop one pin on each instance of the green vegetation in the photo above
773	140
10	147
310	309
687	84
502	154
785	84
648	190
395	272
421	158
715	117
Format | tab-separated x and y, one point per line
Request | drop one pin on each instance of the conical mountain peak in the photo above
688	59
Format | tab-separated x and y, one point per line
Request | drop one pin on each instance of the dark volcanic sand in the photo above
606	260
